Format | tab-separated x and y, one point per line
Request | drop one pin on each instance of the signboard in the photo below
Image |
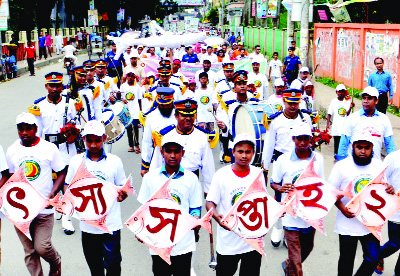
93	19
190	2
261	8
3	23
4	9
253	8
272	8
191	23
181	26
91	4
121	15
288	4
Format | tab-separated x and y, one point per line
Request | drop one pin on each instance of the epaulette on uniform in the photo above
223	92
175	84
254	100
167	129
159	135
39	100
267	118
143	116
152	89
202	129
99	80
273	116
230	102
309	112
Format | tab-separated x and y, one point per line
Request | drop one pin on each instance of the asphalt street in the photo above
18	94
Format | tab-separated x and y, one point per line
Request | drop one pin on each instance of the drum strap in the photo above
301	116
227	83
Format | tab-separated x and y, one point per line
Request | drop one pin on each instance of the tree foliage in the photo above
213	16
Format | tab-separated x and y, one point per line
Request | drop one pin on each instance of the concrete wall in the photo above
334	44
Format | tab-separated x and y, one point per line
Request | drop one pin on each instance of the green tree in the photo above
213	16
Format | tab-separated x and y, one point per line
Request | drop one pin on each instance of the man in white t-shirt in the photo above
131	95
207	69
393	244
127	53
41	158
102	250
339	109
226	187
68	51
259	79
358	169
203	96
256	53
275	69
298	233
368	118
276	99
4	174
210	56
186	188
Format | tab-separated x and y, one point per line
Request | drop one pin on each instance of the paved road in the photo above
18	94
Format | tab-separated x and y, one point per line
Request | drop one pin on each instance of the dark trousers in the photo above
42	52
348	248
383	102
133	133
31	67
300	244
225	145
250	264
103	252
180	265
393	245
336	142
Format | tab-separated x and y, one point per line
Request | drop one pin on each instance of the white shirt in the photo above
110	85
275	66
58	40
69	50
132	93
111	170
127	57
203	98
222	87
226	188
51	120
277	102
211	78
154	122
260	83
393	177
287	169
174	84
198	154
307	102
253	55
338	111
186	189
212	58
100	100
278	136
344	172
41	159
86	95
379	122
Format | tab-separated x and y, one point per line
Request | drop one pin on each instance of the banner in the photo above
253	8
121	15
261	8
105	16
189	69
272	8
4	8
3	23
93	19
91	4
190	2
288	4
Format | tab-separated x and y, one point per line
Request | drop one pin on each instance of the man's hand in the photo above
112	99
221	125
346	212
219	220
390	190
287	187
122	195
143	172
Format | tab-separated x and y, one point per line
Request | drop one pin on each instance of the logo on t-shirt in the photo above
130	96
342	112
360	184
278	107
32	170
177	198
205	100
257	84
296	177
236	197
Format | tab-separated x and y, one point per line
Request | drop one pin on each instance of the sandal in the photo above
137	150
131	149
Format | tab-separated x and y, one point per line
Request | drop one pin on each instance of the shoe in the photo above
379	268
227	159
276	236
56	271
137	150
284	268
131	149
67	225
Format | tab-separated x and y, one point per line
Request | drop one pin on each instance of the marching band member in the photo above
198	155
226	187
358	169
41	157
53	112
186	187
278	141
102	250
159	117
110	84
131	95
298	233
99	90
147	98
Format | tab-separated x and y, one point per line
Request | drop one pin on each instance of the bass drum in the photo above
247	118
114	128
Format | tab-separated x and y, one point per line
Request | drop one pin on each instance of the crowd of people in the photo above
181	121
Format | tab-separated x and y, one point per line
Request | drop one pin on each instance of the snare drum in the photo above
122	112
247	118
114	128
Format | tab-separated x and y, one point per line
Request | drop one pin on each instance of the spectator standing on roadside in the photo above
79	35
42	46
275	69
84	39
232	38
48	43
382	81
58	41
30	53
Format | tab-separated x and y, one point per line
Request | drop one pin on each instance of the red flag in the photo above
105	16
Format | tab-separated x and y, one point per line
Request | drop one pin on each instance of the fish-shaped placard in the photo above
89	198
254	214
314	197
21	202
373	206
161	222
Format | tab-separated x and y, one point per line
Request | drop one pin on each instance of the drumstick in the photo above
210	109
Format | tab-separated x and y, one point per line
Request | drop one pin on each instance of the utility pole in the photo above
304	32
290	28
